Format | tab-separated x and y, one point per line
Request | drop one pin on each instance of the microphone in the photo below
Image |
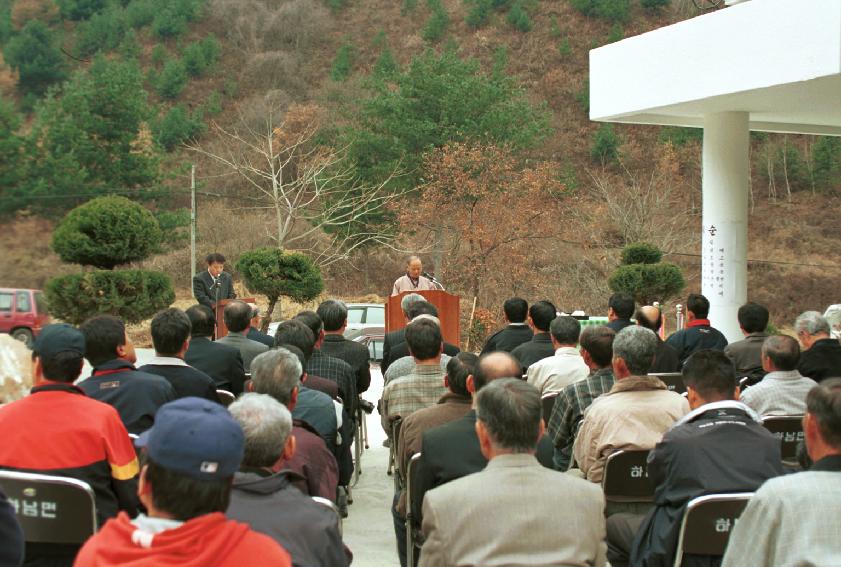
429	276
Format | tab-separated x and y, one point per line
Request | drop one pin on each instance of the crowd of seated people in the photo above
500	478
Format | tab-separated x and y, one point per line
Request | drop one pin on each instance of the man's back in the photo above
665	359
747	354
247	348
184	379
135	395
779	393
340	372
390	341
530	507
508	338
633	415
255	334
317	409
822	360
271	505
355	354
314	462
421	389
223	363
698	335
405	366
210	540
553	374
718	448
538	348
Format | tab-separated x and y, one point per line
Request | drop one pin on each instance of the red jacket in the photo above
211	540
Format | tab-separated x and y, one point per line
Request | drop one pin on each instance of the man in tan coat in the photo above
635	413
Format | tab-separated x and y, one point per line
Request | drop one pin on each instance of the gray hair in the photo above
276	373
266	424
408	300
428	317
636	346
510	410
565	329
811	323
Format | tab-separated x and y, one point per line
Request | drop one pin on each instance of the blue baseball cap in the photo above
57	338
195	437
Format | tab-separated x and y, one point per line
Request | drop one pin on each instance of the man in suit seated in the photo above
665	358
783	390
720	446
394	338
821	354
513	490
554	373
541	315
254	332
171	338
399	355
747	353
238	319
213	284
620	308
698	334
329	367
793	519
135	395
516	331
266	500
333	314
221	362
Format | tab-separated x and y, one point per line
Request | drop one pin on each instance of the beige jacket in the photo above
633	415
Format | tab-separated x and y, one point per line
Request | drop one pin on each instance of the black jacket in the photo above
271	505
223	363
509	338
135	395
355	354
185	380
11	552
698	336
206	293
619	324
821	361
665	359
720	449
451	451
538	348
260	337
390	341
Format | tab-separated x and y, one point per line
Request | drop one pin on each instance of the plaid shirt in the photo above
407	394
779	393
569	409
339	372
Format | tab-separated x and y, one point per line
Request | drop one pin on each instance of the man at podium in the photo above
213	284
413	280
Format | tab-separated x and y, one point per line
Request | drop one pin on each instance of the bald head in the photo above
493	366
649	317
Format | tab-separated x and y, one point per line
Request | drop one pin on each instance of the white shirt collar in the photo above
732	404
167	361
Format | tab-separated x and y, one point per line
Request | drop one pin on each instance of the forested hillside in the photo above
357	130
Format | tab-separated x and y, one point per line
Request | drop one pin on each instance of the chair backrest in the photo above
413	535
51	509
226	398
707	523
672	380
548	402
789	430
332	505
626	477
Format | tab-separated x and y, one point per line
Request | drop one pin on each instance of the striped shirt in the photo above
407	394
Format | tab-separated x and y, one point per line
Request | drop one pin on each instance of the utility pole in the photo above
192	224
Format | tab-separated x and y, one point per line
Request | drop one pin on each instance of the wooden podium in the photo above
448	311
221	328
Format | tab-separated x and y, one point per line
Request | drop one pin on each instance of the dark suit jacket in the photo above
223	363
719	450
665	359
320	384
185	380
619	324
355	354
390	341
451	451
206	294
821	361
538	348
509	338
260	337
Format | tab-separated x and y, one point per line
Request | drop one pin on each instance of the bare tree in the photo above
321	207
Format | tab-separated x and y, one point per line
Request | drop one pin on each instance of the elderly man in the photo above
333	314
192	453
747	353
720	446
514	490
541	315
665	359
278	374
552	374
266	500
413	280
620	308
698	334
783	390
516	331
793	519
821	356
635	413
237	316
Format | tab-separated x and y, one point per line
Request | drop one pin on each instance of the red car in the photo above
22	313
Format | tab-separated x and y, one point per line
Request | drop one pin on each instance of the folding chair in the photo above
226	398
626	479
332	506
672	380
707	522
548	403
392	465
789	430
413	535
51	509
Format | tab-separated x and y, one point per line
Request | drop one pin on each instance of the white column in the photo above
726	178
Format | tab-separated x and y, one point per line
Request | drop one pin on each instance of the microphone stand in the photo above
216	306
